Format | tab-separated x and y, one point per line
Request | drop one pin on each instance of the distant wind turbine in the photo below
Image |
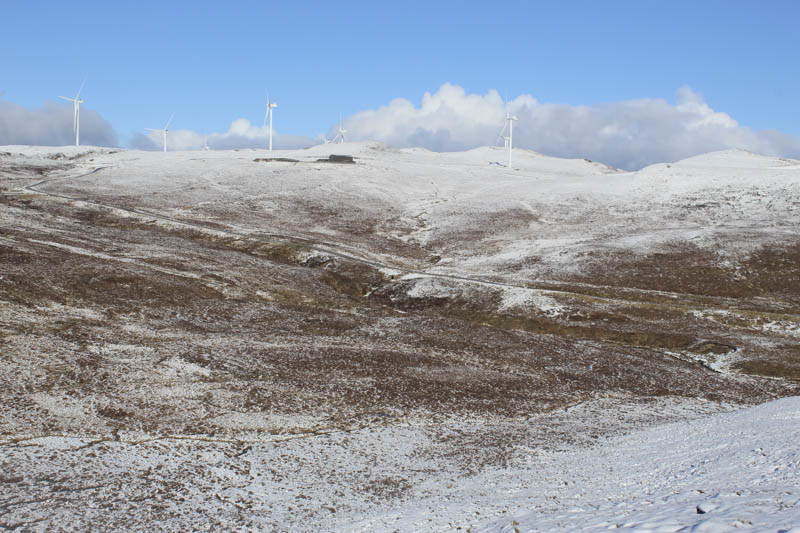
341	133
164	131
270	107
76	117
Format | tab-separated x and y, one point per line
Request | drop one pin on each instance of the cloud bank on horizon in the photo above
240	134
628	134
51	125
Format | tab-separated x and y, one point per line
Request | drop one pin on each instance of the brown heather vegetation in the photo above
269	327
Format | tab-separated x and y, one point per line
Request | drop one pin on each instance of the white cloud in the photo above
51	125
240	134
628	134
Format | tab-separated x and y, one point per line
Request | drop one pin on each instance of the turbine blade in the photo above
169	121
503	130
65	98
79	90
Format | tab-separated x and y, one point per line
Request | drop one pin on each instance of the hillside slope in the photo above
302	335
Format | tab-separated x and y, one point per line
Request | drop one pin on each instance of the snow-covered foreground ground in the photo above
742	469
415	342
733	471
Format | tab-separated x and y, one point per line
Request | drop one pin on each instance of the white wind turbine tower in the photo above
76	117
510	139
270	107
340	134
164	131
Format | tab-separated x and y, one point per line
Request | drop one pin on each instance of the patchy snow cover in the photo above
779	327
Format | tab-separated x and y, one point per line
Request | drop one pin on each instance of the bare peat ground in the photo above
179	371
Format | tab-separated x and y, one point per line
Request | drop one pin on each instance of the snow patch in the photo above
175	366
520	299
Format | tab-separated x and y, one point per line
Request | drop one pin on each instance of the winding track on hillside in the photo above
638	296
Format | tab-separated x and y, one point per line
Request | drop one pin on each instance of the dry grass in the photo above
771	272
784	364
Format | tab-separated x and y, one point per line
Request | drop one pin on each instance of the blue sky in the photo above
210	63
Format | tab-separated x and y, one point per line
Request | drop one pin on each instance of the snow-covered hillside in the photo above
418	341
554	209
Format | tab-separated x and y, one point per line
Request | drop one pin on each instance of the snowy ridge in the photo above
736	159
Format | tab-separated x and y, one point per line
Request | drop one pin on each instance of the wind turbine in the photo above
270	107
341	133
164	131
510	139
76	117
